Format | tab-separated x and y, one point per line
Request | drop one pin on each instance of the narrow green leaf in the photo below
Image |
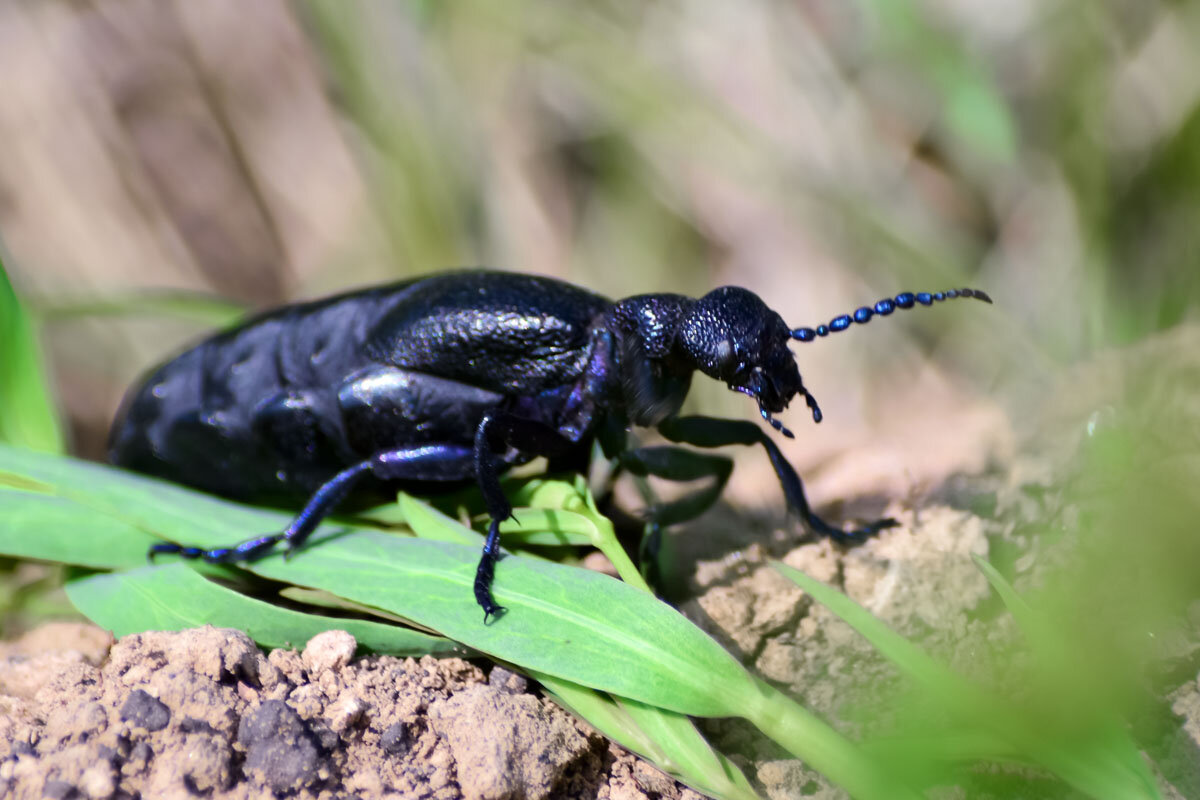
1015	603
604	713
322	599
553	493
208	309
908	657
1104	765
173	597
688	753
668	740
808	737
27	414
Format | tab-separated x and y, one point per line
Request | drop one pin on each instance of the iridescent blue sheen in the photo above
882	308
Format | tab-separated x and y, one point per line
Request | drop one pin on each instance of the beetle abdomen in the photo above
252	413
270	410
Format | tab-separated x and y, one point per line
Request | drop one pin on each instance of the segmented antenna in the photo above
883	308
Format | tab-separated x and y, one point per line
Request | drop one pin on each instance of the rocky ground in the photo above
204	713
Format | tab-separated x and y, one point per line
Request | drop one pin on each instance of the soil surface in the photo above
204	713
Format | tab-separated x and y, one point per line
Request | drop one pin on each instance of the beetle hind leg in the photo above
434	462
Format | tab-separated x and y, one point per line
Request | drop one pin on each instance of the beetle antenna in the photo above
882	308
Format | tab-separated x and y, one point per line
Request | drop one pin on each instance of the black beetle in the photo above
457	377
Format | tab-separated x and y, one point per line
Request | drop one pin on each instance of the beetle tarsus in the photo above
485	572
847	537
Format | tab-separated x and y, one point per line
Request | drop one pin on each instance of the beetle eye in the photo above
725	357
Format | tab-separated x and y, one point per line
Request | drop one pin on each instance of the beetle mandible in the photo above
457	377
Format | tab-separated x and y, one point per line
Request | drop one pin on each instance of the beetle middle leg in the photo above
495	431
715	432
432	462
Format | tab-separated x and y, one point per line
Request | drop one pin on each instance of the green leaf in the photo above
53	500
1102	762
207	309
564	512
429	523
604	713
667	739
908	657
563	621
173	597
27	414
541	526
688	754
54	528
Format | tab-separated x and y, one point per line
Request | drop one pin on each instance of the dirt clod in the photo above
396	740
144	711
507	681
281	750
488	729
328	651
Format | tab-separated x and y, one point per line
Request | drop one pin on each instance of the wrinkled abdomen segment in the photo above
192	428
234	426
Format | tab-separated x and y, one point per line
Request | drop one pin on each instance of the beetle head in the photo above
730	334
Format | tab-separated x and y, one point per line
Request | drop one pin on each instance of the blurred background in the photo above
822	153
170	165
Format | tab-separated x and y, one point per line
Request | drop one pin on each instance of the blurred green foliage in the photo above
27	415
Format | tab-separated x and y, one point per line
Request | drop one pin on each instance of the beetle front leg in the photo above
679	464
673	464
434	462
714	432
495	431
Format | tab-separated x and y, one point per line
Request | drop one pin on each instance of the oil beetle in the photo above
457	377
